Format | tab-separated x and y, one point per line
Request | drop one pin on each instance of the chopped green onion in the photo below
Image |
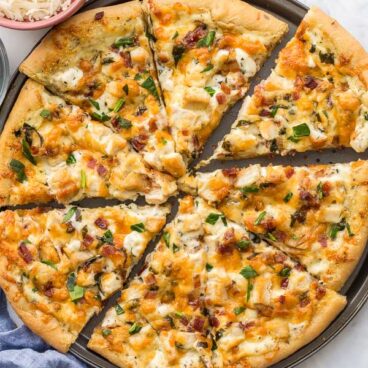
207	41
209	267
239	310
94	103
301	130
83	181
18	167
248	272
135	328
260	218
124	42
26	150
46	114
210	90
166	238
119	104
285	272
126	89
139	228
69	214
177	52
150	86
49	263
288	197
118	309
243	244
107	237
106	332
250	189
100	117
71	159
207	68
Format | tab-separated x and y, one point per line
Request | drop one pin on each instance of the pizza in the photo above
315	98
54	151
216	296
101	61
316	214
57	266
262	305
206	54
168	294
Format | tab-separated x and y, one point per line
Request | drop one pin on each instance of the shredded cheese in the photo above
32	10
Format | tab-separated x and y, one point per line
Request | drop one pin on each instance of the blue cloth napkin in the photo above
20	348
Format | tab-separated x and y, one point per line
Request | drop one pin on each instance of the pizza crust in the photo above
235	14
54	52
41	324
99	345
346	45
329	309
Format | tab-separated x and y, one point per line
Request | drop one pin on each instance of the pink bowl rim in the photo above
59	17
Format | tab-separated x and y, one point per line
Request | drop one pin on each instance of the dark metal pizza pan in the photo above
356	289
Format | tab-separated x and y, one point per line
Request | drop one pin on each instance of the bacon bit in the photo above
115	123
280	257
289	172
198	324
91	163
138	142
296	96
269	224
326	188
320	292
230	173
280	235
152	126
304	302
310	82
151	294
101	170
184	321
197	281
221	98
193	301
87	241
213	321
225	88
48	289
264	112
150	279
309	198
126	58
69	228
246	326
191	38
264	310
108	250
284	283
24	252
282	299
299	267
322	239
102	223
226	246
99	15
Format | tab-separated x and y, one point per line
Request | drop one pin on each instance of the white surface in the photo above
350	348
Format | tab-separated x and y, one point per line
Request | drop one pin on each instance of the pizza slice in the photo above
169	293
101	61
52	150
58	265
206	54
262	305
316	214
315	98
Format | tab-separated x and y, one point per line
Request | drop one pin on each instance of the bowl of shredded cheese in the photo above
36	14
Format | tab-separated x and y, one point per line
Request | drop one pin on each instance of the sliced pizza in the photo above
217	295
315	98
169	293
58	265
101	61
262	305
52	150
206	54
316	214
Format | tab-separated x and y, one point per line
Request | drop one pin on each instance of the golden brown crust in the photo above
98	344
40	323
346	45
63	45
28	100
329	308
235	14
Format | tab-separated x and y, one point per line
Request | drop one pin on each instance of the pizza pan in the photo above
356	289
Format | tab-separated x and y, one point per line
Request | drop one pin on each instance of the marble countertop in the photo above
350	348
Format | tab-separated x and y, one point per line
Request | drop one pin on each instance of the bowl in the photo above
4	72
44	23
